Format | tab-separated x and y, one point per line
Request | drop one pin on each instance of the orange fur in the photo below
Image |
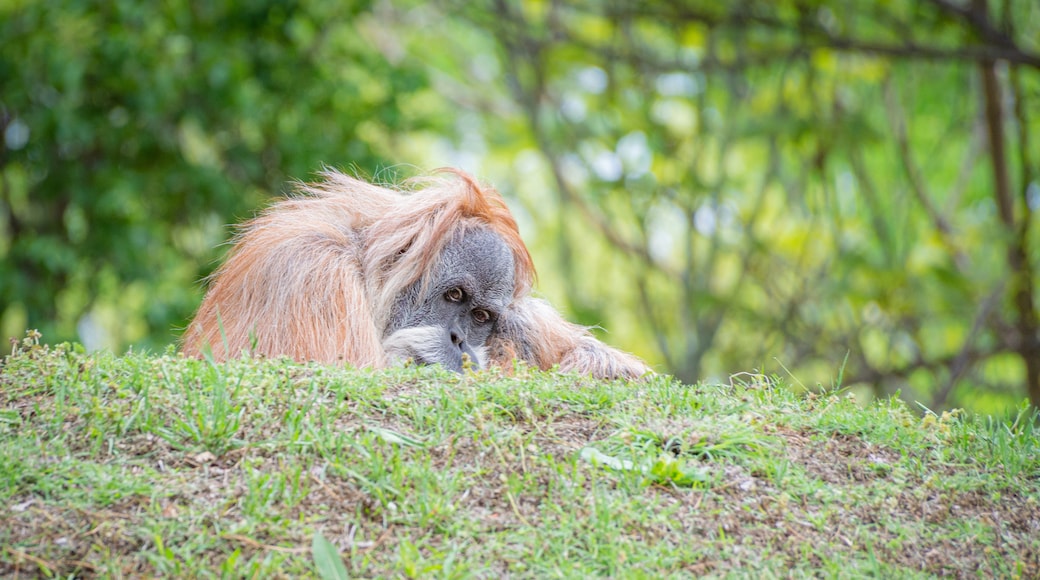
314	277
532	330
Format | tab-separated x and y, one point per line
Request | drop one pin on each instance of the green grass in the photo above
160	466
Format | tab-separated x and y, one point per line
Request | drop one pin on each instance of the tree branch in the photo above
1027	325
917	184
960	363
976	17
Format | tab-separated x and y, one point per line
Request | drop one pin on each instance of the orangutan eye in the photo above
454	295
481	316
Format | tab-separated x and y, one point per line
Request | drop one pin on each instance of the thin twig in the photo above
45	564
897	121
516	510
255	544
960	362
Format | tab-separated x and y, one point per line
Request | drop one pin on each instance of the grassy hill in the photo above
158	466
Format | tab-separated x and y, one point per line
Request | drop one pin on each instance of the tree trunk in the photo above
1027	341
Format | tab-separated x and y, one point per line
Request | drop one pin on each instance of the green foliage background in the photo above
151	126
769	185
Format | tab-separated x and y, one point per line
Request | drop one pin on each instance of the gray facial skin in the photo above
469	287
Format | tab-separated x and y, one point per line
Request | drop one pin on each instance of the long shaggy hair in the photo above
316	276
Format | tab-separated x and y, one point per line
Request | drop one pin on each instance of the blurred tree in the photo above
133	131
801	180
771	183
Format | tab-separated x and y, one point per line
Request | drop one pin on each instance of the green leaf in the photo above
327	559
394	437
667	469
597	457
